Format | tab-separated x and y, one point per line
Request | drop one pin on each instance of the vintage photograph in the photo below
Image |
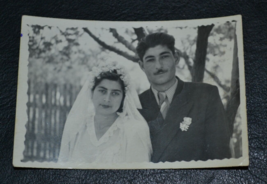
131	95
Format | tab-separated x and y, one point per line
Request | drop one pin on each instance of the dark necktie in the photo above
163	103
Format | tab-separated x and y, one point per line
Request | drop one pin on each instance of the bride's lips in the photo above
105	106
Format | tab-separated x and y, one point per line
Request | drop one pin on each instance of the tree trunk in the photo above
201	52
140	33
234	101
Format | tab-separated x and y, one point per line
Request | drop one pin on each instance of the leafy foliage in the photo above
57	56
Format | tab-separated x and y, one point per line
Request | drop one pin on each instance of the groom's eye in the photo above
164	56
150	60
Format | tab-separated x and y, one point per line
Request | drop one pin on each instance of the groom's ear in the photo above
177	58
141	64
92	94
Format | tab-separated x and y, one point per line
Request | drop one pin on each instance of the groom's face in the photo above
159	64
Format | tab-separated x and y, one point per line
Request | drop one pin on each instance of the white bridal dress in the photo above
127	140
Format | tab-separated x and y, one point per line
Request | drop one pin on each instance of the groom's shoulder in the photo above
195	89
198	85
200	88
195	86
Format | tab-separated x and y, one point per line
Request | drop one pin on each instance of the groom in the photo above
187	120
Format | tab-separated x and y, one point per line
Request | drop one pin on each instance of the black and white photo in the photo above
131	95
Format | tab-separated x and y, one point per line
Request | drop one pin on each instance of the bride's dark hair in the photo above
113	76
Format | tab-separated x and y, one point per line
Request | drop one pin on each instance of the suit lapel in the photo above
179	108
151	102
150	106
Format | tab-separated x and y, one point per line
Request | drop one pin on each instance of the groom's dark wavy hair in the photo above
153	40
113	76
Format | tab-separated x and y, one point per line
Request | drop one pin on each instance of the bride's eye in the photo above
102	91
115	93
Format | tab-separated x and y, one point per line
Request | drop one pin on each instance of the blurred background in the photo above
60	58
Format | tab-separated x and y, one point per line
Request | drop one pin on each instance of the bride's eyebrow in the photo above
116	90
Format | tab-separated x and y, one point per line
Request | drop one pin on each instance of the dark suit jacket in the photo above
206	138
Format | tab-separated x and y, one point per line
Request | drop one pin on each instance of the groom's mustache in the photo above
160	71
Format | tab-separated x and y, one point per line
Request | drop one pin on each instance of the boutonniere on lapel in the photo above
185	124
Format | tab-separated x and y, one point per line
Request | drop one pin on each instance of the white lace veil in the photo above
83	107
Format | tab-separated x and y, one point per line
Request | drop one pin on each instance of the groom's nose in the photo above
158	64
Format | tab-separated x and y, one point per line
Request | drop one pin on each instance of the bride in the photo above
104	125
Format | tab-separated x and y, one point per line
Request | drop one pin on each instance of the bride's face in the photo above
107	97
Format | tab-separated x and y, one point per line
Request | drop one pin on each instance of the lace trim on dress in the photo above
109	133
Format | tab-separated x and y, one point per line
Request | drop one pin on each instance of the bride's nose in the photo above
107	97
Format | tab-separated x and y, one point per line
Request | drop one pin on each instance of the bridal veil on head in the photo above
136	145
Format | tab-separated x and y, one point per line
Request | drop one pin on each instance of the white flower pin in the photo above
185	124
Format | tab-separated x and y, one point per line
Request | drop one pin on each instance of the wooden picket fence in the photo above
47	108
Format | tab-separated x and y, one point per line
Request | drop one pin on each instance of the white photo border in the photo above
22	87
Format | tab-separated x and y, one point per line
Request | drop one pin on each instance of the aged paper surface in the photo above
56	55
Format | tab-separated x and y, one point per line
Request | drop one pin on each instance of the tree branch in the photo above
122	40
190	68
186	59
217	80
111	48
